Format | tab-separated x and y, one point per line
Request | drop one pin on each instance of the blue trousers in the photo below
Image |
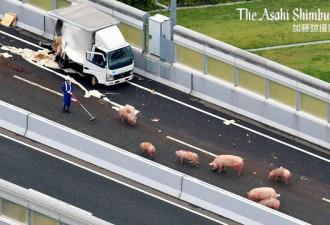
67	100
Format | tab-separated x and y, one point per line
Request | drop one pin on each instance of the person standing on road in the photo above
67	89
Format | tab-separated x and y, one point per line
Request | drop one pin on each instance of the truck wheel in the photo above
62	63
94	81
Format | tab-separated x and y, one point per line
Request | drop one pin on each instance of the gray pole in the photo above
173	16
53	4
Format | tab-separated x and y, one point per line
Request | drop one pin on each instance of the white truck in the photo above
93	40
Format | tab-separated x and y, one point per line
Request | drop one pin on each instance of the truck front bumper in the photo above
118	81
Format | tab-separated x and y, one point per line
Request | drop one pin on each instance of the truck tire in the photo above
94	81
62	62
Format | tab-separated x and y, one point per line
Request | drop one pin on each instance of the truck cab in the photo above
93	40
107	58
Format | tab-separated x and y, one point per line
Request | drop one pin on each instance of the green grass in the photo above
47	4
309	59
184	3
223	23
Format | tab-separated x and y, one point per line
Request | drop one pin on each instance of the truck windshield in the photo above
120	58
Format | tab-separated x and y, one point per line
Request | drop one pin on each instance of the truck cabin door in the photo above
95	64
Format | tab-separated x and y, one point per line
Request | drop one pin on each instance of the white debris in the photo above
228	122
95	93
6	55
304	178
45	60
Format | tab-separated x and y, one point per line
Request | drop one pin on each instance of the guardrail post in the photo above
235	76
29	217
204	64
298	101
144	39
328	112
267	88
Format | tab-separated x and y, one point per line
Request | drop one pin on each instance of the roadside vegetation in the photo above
223	23
183	3
310	59
148	5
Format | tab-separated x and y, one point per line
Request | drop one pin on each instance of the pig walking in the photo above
222	161
271	202
280	173
127	112
147	147
262	193
184	154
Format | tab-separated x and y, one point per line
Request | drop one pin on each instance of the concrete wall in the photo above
111	157
199	83
132	166
237	99
46	205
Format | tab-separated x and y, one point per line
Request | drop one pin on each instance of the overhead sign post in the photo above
173	16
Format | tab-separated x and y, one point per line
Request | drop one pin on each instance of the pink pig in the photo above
280	173
184	154
271	202
127	112
222	161
147	147
262	193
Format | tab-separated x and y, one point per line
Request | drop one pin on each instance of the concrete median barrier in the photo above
230	205
45	205
104	155
13	118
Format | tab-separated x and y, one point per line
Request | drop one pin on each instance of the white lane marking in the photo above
325	199
177	101
20	39
235	124
87	93
182	103
112	179
284	143
42	87
45	68
190	146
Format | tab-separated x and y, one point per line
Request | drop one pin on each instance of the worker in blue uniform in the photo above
67	89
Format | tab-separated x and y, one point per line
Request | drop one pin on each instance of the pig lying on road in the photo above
271	202
184	154
280	173
262	193
147	147
127	112
222	161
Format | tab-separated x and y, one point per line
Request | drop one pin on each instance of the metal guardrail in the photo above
242	214
29	201
136	168
230	50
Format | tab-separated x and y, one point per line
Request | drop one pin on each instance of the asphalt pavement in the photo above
201	128
105	198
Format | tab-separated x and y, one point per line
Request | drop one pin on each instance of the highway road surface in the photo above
106	195
172	120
